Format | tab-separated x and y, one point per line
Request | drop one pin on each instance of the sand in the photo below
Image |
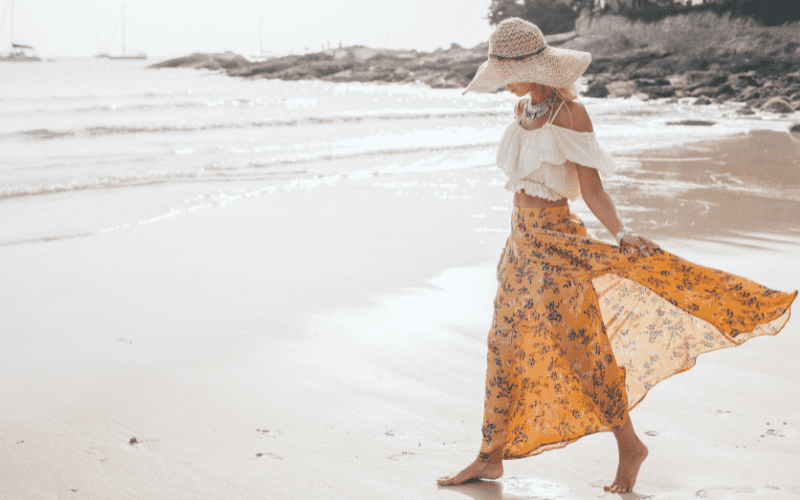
330	343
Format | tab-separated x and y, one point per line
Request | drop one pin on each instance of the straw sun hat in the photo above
518	53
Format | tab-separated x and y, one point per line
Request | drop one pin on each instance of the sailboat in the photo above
125	54
262	54
17	53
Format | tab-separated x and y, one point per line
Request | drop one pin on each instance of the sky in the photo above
170	28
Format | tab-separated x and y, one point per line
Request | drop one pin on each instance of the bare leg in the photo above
490	469
632	453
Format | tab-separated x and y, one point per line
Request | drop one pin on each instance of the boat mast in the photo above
12	24
123	28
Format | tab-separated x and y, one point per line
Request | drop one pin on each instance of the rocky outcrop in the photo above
640	73
224	61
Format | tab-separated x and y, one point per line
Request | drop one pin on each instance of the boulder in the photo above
642	96
659	91
725	90
597	90
749	94
744	80
622	88
795	128
702	101
651	82
696	79
778	105
703	91
745	111
693	123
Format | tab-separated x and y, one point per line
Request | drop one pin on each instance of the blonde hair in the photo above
567	94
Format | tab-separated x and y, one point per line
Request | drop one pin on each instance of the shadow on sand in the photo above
521	489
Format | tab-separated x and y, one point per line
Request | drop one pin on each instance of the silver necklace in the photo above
533	111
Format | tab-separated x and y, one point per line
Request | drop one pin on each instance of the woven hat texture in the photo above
518	53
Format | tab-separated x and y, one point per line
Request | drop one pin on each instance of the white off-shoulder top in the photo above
534	160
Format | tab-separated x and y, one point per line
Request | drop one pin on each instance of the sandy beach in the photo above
329	342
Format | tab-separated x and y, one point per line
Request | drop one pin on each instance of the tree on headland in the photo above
551	16
558	16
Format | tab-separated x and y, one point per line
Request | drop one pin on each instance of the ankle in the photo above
493	458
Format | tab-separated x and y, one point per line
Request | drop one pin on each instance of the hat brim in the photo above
554	67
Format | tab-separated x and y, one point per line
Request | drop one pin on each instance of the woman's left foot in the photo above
629	463
476	470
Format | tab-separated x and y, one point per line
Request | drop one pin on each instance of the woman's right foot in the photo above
476	470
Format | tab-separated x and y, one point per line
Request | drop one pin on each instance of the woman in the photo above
583	329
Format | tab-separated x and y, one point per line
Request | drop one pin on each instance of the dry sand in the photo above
331	344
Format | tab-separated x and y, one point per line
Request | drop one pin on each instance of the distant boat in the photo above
262	55
125	55
17	53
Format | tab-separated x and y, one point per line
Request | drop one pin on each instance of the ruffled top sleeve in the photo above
534	160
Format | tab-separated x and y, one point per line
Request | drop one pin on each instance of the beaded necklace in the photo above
533	111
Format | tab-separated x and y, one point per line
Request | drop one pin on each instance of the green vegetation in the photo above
689	42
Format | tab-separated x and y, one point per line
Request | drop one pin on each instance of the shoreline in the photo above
296	331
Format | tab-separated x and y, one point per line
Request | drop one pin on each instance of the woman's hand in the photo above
640	243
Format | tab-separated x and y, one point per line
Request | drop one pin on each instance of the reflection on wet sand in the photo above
715	190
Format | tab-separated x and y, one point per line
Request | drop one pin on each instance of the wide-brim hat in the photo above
519	53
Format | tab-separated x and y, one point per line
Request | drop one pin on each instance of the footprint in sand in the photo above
532	488
406	455
652	433
268	433
97	454
721	413
723	493
269	456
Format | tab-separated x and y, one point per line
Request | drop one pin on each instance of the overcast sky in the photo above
178	27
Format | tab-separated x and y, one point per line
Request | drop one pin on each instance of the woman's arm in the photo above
596	198
599	202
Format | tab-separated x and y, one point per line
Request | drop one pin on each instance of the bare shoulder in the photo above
573	115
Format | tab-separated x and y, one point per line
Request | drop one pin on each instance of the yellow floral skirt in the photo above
582	331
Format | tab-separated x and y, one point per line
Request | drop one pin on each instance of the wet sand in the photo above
331	343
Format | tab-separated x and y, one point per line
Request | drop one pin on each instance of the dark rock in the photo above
659	91
745	111
703	91
597	90
749	94
702	101
641	73
778	105
790	91
700	123
744	80
697	79
651	82
795	128
725	89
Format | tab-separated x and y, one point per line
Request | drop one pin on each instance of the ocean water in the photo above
89	146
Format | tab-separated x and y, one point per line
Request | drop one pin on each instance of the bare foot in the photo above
476	470
629	462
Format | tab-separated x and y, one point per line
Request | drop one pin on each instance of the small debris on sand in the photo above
133	440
